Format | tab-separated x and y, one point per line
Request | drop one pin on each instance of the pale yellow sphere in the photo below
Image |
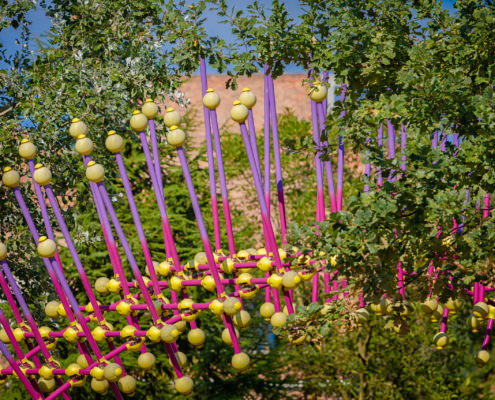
150	109
10	177
139	122
318	92
291	279
226	338
127	384
267	310
176	137
114	142
184	385
46	247
27	150
240	361
239	112
3	251
242	319
78	128
82	361
112	372
211	99
46	385
84	145
441	340
100	386
181	359
101	285
3	336
146	361
51	309
247	98
42	175
196	337
482	358
172	117
231	306
278	319
95	172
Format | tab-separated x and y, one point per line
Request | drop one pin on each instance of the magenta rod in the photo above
276	157
253	141
156	154
223	182
211	161
391	149
137	222
379	139
340	159
206	242
328	163
320	197
267	140
269	233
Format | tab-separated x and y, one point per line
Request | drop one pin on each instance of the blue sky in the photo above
41	24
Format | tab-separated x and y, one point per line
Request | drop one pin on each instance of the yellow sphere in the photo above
211	99
480	310
172	117
180	325
95	172
265	264
82	361
3	251
3	336
150	109
226	338
240	361
169	333
84	145
429	306
247	98
176	137
474	323
78	128
482	358
163	268
242	319
46	385
291	279
216	307
239	112
181	359
114	142
139	122
184	385
46	247
208	283
228	266
61	310
146	361
51	309
127	384
101	285
113	286
267	310
42	175
441	340
318	92
278	319
112	372
196	337
10	177
27	150
231	305
100	386
453	305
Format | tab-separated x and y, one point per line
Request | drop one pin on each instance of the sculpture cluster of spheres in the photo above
177	312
